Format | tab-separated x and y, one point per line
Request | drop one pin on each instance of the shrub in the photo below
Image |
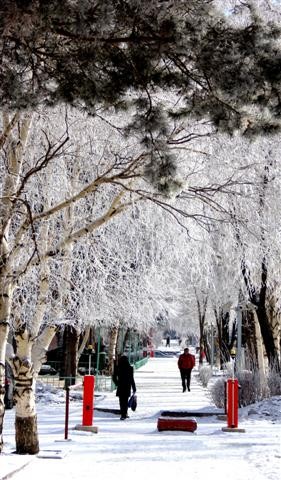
274	381
250	387
218	392
253	386
205	373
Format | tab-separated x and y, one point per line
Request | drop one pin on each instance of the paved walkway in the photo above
159	388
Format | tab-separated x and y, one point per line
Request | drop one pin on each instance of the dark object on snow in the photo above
176	423
47	370
123	377
186	363
132	403
9	388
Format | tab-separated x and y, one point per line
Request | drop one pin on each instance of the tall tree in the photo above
48	207
120	53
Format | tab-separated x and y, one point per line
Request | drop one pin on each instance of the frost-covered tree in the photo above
62	179
260	248
241	223
221	58
245	262
35	183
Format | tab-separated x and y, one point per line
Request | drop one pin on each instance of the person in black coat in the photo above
123	378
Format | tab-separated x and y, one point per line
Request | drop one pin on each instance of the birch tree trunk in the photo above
5	309
14	158
24	394
30	353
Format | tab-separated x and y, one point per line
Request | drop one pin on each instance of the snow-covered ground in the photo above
134	449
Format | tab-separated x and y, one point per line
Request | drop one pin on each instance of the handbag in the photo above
132	403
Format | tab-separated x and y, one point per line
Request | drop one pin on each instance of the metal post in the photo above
89	372
98	359
135	347
212	346
66	413
239	338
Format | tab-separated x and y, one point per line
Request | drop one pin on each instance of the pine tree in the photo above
92	53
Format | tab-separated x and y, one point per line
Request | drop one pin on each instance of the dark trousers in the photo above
185	378
123	402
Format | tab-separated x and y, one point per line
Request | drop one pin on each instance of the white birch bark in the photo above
11	183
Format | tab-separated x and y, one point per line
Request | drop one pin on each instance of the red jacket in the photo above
186	361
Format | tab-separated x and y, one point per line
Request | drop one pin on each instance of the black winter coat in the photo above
123	378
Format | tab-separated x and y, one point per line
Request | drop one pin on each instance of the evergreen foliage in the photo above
93	53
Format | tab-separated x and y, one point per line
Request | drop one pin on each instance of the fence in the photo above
103	383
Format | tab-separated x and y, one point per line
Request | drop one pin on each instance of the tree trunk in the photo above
26	419
13	153
258	298
249	338
112	348
274	319
5	308
26	435
222	321
3	342
24	395
70	348
260	349
267	336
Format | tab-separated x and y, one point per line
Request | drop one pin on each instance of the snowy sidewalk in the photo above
159	388
135	449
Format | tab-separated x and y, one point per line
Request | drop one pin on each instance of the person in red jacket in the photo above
186	363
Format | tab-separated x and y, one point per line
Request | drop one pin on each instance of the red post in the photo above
88	400
232	403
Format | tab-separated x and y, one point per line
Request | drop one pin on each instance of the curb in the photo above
168	413
16	470
107	410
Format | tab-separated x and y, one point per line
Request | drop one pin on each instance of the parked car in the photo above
85	371
47	370
9	388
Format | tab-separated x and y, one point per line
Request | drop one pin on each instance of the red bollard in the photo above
88	400
232	403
